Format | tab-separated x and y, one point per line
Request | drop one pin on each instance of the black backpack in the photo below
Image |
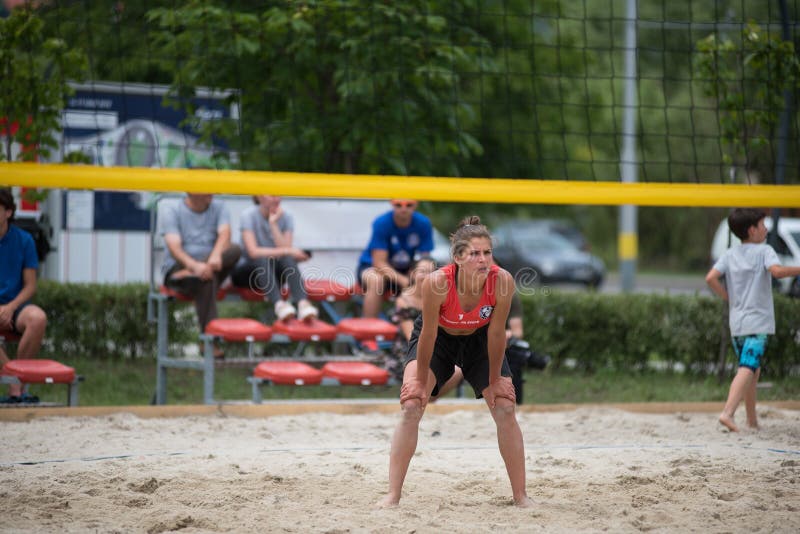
39	234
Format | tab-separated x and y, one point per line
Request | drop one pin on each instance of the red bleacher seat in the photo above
245	293
8	335
255	295
239	329
357	289
367	328
356	373
308	330
164	290
388	295
288	373
328	290
36	371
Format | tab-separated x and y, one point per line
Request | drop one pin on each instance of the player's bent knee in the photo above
411	410
503	408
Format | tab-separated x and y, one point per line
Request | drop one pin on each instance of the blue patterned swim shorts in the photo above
750	350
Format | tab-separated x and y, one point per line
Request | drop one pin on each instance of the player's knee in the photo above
503	410
411	410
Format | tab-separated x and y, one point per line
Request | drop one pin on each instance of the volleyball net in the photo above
464	100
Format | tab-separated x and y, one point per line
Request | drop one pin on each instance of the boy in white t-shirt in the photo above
748	270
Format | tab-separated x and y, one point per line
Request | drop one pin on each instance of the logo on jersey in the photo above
460	316
485	312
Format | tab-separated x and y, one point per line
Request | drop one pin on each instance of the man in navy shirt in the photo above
18	264
398	238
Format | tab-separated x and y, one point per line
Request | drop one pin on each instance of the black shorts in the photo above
470	353
16	316
389	286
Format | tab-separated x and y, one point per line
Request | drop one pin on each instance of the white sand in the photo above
592	469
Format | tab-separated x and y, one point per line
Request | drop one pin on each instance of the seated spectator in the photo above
18	265
200	255
398	238
270	259
407	308
408	305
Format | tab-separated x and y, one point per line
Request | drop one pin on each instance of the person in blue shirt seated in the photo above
399	237
18	265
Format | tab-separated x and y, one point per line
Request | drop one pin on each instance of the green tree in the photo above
114	36
747	79
34	74
350	86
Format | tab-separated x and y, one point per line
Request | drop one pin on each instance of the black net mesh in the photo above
473	88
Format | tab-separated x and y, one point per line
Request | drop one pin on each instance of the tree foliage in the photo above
747	79
34	74
488	88
350	86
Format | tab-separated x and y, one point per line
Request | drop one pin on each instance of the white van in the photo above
788	247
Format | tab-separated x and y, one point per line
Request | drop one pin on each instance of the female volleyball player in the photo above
464	309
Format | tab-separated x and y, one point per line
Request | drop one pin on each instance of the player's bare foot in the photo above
387	502
525	502
728	423
753	426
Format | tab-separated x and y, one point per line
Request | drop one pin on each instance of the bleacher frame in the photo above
6	379
158	310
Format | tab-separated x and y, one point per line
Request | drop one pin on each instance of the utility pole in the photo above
628	243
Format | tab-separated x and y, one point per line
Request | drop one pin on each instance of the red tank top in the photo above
450	313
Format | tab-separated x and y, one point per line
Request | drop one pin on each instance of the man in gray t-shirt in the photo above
748	270
200	255
270	258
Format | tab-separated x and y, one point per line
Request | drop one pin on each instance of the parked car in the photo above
787	247
565	229
536	253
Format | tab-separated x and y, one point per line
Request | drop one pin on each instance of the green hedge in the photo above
632	331
594	330
110	321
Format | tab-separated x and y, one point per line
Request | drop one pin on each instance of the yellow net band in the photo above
383	187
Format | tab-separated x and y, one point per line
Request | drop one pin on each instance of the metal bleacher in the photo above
285	358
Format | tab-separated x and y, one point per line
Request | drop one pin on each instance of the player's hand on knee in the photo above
500	388
414	389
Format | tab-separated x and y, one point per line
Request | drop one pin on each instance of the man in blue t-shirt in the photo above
398	238
18	264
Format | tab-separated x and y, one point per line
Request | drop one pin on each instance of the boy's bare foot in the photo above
387	502
728	423
753	426
525	502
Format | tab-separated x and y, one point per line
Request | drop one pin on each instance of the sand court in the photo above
320	468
